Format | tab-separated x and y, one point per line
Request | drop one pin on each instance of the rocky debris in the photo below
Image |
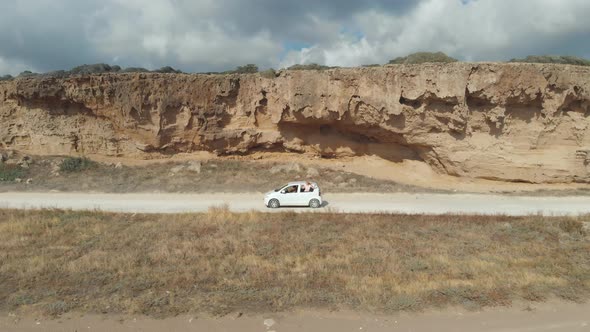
55	167
6	155
18	180
312	172
269	323
191	166
584	155
118	165
500	121
144	147
177	169
194	166
29	181
586	227
286	168
25	162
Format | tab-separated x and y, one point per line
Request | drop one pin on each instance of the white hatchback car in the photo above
294	194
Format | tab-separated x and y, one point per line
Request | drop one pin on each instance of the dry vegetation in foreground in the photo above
221	262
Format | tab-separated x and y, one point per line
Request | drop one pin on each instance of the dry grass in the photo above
221	262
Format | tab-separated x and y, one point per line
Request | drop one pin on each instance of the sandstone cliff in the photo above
511	122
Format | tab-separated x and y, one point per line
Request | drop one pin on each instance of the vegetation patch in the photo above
414	58
220	262
9	173
247	69
311	66
423	57
76	164
269	73
559	59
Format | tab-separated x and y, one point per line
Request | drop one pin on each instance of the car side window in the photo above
291	189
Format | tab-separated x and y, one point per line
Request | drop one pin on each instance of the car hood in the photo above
269	193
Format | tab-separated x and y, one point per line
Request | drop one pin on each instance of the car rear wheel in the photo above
314	204
274	203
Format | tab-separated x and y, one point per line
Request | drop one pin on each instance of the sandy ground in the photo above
348	203
407	172
554	317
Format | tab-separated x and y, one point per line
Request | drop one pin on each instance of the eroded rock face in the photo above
511	122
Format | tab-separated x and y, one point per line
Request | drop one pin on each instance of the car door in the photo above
289	198
303	197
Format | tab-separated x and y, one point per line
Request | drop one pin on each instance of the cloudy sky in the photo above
214	35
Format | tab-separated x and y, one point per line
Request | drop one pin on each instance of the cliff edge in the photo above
508	122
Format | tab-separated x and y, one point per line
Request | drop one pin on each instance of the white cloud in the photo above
12	67
178	35
478	30
207	35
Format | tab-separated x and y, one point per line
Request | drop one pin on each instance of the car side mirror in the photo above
282	191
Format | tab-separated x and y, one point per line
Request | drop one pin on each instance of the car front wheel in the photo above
314	204
274	203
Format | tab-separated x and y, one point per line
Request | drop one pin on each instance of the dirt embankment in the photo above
508	122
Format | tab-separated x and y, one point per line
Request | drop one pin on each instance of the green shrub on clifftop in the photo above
269	73
247	69
311	66
559	59
423	57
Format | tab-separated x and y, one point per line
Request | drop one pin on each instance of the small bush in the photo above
269	73
167	70
56	308
559	59
11	172
403	302
135	70
6	78
97	68
57	74
247	69
72	164
311	66
27	73
423	57
572	226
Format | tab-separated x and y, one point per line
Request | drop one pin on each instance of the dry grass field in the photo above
52	262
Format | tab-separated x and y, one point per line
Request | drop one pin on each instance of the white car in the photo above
294	194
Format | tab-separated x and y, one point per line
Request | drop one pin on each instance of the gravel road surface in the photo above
348	203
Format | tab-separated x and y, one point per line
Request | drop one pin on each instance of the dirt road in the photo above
350	203
549	317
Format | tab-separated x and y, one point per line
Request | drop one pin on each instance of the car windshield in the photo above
281	187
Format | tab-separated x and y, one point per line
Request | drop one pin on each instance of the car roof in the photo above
299	182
